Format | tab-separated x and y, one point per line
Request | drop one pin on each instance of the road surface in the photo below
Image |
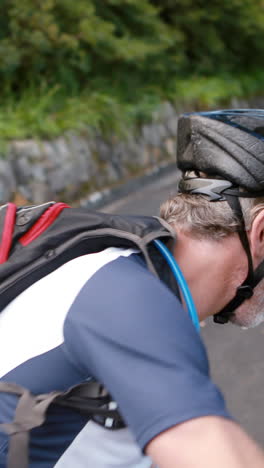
236	356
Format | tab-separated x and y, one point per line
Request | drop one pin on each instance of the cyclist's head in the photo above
219	152
221	156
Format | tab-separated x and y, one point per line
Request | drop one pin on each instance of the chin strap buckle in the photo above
245	291
219	318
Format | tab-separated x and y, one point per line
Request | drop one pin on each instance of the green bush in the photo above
75	43
217	35
70	42
108	63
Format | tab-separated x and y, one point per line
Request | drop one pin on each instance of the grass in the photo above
47	113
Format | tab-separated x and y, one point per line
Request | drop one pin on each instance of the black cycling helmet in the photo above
227	147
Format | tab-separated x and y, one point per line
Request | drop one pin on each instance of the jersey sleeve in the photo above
130	332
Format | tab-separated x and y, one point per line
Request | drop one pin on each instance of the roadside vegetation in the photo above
108	64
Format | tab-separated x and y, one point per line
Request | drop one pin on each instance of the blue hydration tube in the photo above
181	282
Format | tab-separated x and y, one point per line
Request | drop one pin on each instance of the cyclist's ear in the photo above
256	238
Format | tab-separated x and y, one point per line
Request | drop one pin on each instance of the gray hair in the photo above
198	217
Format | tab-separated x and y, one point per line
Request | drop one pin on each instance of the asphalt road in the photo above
236	356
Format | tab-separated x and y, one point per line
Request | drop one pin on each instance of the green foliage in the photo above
50	113
108	63
71	42
75	43
218	35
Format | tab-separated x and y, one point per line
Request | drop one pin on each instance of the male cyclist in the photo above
105	316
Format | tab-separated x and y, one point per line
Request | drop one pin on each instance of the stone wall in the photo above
73	166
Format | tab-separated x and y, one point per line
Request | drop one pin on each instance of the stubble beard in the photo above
251	313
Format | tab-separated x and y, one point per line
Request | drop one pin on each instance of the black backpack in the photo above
34	241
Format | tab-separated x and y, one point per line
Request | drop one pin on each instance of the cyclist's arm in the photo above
207	442
129	331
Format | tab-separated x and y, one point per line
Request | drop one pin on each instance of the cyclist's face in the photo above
213	270
251	312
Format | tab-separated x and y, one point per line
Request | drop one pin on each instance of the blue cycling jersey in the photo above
104	316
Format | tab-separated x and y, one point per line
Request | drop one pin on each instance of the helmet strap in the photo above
245	290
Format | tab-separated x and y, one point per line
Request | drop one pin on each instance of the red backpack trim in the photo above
43	223
6	240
